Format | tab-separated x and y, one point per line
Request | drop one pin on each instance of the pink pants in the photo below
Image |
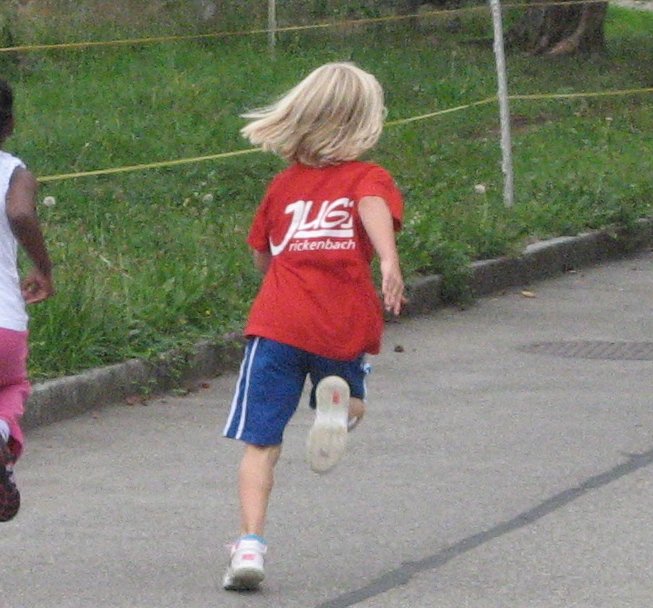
14	385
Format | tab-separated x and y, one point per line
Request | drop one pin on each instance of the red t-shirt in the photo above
318	293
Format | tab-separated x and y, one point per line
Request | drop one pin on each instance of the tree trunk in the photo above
560	30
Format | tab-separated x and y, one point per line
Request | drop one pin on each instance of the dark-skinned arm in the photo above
23	219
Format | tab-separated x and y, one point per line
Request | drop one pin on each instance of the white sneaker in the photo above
245	571
327	438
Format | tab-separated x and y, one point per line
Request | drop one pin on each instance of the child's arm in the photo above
378	223
21	212
262	260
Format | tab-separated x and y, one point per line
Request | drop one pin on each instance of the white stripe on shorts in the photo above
244	373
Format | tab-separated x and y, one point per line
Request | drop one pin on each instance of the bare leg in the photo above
356	412
256	479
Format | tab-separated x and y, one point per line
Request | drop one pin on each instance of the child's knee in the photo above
267	454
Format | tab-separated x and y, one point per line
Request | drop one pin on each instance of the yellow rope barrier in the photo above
133	41
591	94
291	28
157	165
403	121
391	123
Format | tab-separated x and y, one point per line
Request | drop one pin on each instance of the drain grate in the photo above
594	349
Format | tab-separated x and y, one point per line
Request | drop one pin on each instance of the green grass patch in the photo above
153	259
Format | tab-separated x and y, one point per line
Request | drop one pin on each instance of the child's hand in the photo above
392	286
379	225
37	287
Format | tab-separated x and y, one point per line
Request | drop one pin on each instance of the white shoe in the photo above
245	571
327	439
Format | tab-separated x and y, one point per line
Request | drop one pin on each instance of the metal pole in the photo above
272	25
504	110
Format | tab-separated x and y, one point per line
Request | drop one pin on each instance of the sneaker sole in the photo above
247	579
327	439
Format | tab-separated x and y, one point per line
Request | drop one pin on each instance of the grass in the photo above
154	259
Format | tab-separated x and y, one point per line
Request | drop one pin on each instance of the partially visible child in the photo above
19	225
317	312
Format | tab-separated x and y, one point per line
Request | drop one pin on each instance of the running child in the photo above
19	226
317	312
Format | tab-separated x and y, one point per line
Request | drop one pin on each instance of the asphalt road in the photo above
490	472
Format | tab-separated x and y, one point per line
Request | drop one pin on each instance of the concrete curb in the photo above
73	395
63	398
539	261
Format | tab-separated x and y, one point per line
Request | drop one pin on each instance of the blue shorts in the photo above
270	385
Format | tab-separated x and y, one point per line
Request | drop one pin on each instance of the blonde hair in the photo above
335	114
